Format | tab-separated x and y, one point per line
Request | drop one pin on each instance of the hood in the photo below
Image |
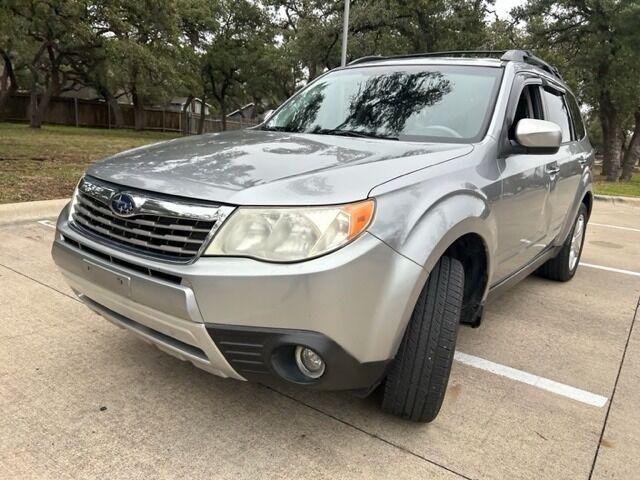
257	167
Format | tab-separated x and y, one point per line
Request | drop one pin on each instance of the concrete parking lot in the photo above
547	388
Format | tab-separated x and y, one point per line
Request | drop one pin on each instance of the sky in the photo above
504	6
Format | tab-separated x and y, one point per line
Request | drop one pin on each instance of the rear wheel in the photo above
418	377
563	266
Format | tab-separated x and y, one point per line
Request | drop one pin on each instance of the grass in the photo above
45	164
624	189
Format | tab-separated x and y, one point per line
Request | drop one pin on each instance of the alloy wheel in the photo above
576	242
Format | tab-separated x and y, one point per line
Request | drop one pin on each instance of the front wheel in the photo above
563	266
418	377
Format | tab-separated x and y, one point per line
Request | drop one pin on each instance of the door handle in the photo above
583	159
553	170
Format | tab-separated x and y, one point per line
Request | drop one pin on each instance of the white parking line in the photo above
614	226
533	380
47	223
611	269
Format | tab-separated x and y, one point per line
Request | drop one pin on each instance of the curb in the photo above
29	211
631	201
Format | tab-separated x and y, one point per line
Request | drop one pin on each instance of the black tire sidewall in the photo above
419	398
581	211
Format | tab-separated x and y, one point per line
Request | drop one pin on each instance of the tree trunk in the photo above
138	110
118	117
39	108
632	155
312	71
203	114
54	86
185	109
33	104
612	140
116	111
223	117
5	93
8	84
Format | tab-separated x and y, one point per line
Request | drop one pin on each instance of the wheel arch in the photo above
587	200
471	250
463	227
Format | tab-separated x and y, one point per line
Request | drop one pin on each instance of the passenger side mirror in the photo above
538	134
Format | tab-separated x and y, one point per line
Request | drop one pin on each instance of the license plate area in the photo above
104	277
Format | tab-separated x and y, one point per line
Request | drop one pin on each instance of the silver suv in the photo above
340	244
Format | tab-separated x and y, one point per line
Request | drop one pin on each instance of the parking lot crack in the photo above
615	386
370	434
17	272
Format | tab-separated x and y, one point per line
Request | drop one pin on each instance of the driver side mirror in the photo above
538	134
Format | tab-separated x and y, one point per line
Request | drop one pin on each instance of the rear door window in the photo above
576	117
557	112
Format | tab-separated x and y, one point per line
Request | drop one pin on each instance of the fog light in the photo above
309	362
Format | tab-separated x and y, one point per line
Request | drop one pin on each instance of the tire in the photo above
417	380
563	266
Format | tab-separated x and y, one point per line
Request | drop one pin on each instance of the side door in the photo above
569	158
523	212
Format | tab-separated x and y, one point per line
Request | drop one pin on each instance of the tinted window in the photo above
525	107
557	113
576	116
528	107
435	103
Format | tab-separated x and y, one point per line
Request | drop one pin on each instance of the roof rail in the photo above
369	58
450	53
525	56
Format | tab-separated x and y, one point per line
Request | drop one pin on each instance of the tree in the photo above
312	29
632	153
101	78
432	25
231	50
56	38
596	42
8	40
310	32
141	46
271	75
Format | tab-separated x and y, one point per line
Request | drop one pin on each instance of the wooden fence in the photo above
98	114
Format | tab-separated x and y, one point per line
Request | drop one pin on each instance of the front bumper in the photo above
351	306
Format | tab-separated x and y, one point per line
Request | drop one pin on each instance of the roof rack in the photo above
525	56
450	53
369	58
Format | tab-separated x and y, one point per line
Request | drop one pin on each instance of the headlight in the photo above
290	234
74	200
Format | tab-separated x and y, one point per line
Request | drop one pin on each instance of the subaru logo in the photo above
123	205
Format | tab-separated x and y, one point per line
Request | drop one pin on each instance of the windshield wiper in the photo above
276	128
351	133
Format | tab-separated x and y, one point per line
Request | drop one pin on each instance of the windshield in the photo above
422	103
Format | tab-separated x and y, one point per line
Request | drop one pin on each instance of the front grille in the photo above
152	231
123	263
